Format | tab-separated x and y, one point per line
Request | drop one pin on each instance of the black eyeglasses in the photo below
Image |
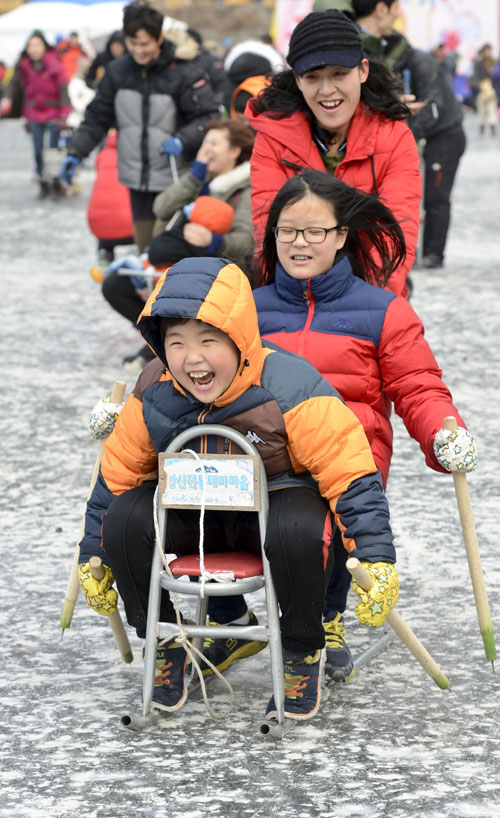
313	235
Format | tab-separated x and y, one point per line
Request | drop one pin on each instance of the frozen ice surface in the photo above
389	744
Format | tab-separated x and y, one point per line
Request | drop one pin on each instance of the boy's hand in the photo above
455	451
380	599
98	593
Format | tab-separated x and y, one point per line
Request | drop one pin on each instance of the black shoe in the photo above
303	683
57	190
222	652
432	262
170	691
339	663
44	190
137	362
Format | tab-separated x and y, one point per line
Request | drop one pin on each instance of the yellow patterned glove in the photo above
380	599
98	593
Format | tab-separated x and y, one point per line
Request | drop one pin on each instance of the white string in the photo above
182	636
201	541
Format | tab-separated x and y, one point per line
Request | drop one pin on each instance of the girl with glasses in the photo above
327	254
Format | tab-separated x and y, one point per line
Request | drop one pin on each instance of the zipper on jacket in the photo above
308	298
296	168
144	134
201	419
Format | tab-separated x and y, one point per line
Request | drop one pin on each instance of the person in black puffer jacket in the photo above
159	108
438	124
115	47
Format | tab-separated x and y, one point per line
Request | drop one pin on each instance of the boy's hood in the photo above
216	291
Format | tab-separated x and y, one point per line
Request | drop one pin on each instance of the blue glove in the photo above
172	146
129	263
68	168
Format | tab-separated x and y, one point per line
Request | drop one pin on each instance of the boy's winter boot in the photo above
303	682
339	663
222	652
170	691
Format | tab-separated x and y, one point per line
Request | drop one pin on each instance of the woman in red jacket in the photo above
320	302
335	111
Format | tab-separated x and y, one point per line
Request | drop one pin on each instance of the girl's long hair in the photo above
375	243
381	93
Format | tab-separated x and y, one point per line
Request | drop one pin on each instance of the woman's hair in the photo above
39	36
239	133
375	243
380	92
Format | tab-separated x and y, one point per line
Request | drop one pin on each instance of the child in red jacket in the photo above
109	214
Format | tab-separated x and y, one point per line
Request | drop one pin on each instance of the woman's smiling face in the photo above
332	94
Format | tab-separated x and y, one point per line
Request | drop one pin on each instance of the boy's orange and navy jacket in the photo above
305	433
369	344
381	158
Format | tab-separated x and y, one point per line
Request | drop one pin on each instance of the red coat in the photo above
45	93
369	344
108	211
381	157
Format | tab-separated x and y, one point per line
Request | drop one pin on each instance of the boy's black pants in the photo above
298	546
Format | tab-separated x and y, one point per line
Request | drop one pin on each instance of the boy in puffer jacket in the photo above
212	367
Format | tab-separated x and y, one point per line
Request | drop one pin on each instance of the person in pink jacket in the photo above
40	77
337	112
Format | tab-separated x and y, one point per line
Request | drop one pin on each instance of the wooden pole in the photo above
115	622
473	556
71	595
404	632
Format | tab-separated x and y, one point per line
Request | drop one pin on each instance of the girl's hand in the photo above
197	234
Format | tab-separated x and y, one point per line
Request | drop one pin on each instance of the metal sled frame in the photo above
160	579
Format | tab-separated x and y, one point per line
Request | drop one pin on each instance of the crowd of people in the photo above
278	203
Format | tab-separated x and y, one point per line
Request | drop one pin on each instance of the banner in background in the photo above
462	25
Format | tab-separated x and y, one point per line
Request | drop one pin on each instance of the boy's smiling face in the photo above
201	358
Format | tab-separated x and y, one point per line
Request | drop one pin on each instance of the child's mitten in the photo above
381	597
455	451
98	593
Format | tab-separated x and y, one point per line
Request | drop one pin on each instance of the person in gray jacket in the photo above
207	213
159	107
220	171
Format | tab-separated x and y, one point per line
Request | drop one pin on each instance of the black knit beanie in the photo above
324	38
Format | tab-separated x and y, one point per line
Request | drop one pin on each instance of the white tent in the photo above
55	18
92	21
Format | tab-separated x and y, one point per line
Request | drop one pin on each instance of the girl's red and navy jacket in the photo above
369	344
305	433
381	158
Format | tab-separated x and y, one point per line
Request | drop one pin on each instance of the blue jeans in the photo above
38	132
